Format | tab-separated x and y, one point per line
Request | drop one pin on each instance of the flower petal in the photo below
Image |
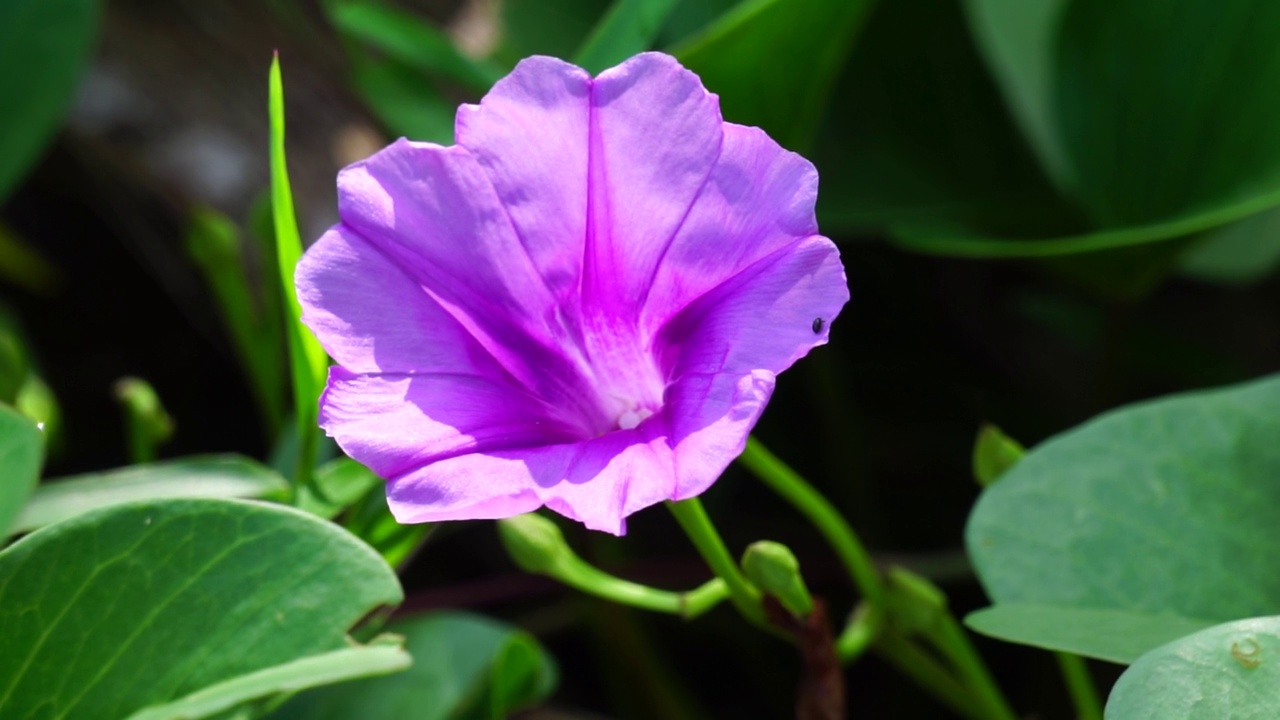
711	417
765	318
433	212
655	136
597	482
758	198
394	422
371	317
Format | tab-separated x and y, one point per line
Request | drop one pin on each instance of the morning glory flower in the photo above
583	304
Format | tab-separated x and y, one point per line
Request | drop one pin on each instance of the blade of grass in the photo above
308	363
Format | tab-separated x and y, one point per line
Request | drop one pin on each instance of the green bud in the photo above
916	603
993	454
773	568
534	542
148	423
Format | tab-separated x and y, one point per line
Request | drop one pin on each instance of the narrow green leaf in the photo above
993	454
210	476
805	48
412	40
464	666
142	604
21	452
628	28
44	46
1188	479
1118	636
147	423
252	320
325	669
1228	672
307	360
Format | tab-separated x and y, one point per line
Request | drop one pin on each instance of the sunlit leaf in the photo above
141	604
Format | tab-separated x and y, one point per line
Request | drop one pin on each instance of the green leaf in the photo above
340	482
993	454
1118	636
252	317
920	140
774	65
1228	672
405	102
1169	110
411	40
1018	38
1237	254
290	677
628	28
1164	507
211	476
21	452
464	666
545	27
142	604
44	45
309	365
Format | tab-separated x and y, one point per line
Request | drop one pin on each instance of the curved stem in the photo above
951	640
697	525
795	490
1084	694
578	574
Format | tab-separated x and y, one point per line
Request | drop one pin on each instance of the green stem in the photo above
577	573
950	639
795	490
1084	694
926	671
697	525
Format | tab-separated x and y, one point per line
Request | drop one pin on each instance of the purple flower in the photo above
582	304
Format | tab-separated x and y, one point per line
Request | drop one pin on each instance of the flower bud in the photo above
534	542
773	568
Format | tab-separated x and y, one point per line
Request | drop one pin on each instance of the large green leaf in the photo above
209	476
1240	253
463	666
1228	672
774	63
1169	108
919	139
1118	636
141	604
44	45
1164	507
21	452
1018	38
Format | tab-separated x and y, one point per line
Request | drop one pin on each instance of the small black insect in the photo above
817	326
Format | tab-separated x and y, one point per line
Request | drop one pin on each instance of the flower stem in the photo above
697	525
795	490
926	671
1084	694
950	639
688	605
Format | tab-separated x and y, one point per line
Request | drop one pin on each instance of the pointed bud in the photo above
993	454
773	568
534	542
